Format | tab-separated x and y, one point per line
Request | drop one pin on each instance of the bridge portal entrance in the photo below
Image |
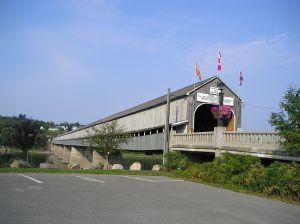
205	121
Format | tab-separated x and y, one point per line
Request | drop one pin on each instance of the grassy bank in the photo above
90	171
241	173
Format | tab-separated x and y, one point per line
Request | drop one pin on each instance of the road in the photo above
78	198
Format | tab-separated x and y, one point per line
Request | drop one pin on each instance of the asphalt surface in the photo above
70	198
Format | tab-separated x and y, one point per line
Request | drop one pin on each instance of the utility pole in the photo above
167	131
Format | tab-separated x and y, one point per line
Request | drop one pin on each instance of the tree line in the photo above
26	133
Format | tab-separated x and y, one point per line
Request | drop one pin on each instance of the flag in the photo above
198	71
241	78
219	61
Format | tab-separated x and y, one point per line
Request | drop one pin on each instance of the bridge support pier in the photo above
66	155
76	156
98	159
218	153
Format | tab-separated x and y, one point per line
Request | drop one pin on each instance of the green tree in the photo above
6	136
287	120
41	140
25	134
107	138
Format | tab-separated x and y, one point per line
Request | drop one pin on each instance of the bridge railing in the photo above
193	139
264	140
231	140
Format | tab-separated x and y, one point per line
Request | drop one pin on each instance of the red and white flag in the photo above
241	78
198	71
219	61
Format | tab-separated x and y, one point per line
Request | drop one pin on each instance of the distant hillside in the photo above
26	133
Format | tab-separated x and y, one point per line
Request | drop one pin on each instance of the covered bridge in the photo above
190	111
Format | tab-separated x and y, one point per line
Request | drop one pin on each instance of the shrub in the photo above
251	179
175	161
283	179
195	171
231	169
244	171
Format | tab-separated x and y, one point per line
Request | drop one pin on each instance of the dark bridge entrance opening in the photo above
204	119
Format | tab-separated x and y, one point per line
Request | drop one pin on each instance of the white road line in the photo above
170	181
154	181
90	179
136	178
40	182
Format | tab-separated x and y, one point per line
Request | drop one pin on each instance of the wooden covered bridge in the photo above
192	124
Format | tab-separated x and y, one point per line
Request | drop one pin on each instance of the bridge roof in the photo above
71	142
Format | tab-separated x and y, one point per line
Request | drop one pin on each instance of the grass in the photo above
147	161
234	188
90	171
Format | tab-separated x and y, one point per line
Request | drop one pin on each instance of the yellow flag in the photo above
198	71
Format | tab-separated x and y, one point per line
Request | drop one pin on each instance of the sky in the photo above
83	60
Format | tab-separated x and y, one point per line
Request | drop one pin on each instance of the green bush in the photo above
175	161
231	169
251	179
195	171
283	179
247	173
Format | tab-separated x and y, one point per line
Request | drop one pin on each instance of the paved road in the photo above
70	198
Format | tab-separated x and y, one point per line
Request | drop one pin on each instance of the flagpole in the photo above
194	103
240	85
220	90
219	64
241	82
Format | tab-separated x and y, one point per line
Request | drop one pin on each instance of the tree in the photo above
107	138
25	135
41	140
287	120
6	136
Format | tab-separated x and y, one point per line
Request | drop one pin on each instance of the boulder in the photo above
46	166
117	167
156	167
19	164
136	166
74	166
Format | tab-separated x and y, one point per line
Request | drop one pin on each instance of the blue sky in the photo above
81	60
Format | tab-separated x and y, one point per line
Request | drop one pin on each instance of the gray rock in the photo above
20	164
46	166
156	167
117	167
74	166
136	166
